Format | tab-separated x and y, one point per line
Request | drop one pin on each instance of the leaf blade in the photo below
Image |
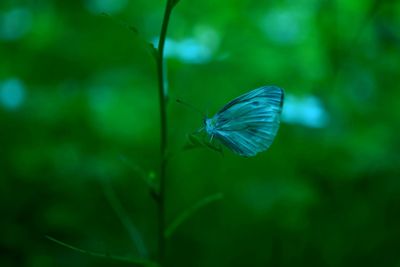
186	214
122	215
138	261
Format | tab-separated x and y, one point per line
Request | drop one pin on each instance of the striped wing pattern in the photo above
248	124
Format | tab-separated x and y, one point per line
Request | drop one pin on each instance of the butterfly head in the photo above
209	125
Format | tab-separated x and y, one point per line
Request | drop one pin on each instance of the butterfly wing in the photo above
248	124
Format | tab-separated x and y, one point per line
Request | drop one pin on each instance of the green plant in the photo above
158	190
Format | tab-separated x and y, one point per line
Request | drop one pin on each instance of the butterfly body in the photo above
210	126
248	124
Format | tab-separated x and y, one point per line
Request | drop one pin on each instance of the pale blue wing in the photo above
248	124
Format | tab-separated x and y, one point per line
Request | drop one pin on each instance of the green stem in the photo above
163	133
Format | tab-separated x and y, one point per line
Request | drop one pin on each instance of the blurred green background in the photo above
79	109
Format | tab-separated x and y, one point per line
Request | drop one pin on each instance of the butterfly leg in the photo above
200	130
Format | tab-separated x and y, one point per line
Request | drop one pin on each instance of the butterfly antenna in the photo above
190	106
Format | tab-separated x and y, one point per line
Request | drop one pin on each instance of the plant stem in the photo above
163	133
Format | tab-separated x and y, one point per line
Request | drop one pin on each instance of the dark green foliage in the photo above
78	89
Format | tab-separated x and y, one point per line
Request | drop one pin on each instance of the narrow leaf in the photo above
196	141
193	141
186	214
153	51
138	261
148	178
149	46
130	227
132	29
215	147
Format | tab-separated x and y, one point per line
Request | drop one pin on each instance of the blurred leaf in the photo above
105	14
153	51
215	147
197	141
121	23
194	141
130	227
148	178
132	29
138	261
186	214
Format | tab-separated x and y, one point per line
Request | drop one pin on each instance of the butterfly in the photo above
249	123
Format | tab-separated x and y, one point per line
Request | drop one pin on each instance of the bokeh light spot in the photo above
109	6
307	111
12	93
15	23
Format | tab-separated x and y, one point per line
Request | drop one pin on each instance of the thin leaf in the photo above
138	261
148	178
131	28
186	214
130	227
149	46
153	51
215	147
193	141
